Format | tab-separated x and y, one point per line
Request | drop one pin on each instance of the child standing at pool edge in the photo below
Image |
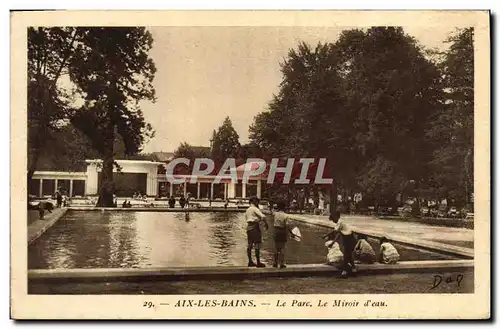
281	230
344	231
254	216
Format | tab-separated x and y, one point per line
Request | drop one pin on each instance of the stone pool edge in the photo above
37	228
235	272
455	251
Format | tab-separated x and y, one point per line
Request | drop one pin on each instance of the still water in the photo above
162	239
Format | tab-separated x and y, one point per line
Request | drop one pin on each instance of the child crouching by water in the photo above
388	253
363	252
334	256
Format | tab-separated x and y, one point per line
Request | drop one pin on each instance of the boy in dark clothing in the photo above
348	241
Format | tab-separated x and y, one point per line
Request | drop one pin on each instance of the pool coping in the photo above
37	228
47	276
442	248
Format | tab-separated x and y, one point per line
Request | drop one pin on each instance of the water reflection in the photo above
160	239
222	238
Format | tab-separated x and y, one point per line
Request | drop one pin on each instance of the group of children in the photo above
355	249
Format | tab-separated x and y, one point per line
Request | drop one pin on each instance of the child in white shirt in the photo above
388	253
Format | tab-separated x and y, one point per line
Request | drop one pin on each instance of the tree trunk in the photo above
333	198
416	207
106	190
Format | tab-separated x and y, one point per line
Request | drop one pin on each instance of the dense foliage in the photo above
389	119
109	71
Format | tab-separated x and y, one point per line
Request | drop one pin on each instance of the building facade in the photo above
144	177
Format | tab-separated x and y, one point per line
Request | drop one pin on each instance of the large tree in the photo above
49	53
451	129
363	103
109	71
307	117
392	89
113	72
225	143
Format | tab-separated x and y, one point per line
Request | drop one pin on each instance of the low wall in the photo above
48	276
38	227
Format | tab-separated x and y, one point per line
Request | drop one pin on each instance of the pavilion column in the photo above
55	186
171	188
152	183
225	191
198	190
211	191
243	190
259	189
185	188
70	188
41	188
92	179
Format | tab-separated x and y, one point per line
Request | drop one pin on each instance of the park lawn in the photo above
369	284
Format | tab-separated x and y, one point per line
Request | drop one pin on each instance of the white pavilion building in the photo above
143	176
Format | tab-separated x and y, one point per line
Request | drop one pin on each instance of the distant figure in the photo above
124	204
171	202
226	204
64	200
209	202
188	200
186	217
388	254
321	206
59	199
182	201
363	252
42	206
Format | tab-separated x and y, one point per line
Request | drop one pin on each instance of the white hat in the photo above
329	243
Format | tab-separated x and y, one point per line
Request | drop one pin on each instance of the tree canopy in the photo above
110	72
225	142
378	108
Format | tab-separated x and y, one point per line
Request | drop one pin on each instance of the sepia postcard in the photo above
250	165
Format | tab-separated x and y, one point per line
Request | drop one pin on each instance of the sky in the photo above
207	73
